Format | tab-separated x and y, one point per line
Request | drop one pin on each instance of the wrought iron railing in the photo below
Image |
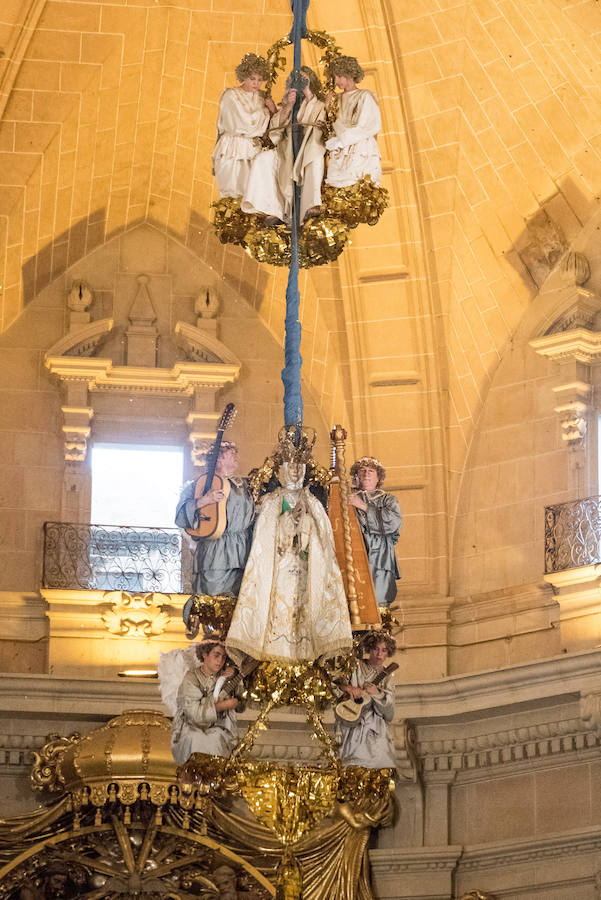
573	534
116	557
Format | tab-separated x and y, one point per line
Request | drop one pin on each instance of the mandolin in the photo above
212	518
350	710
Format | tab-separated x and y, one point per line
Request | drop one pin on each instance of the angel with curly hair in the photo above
353	150
367	740
380	520
244	114
273	173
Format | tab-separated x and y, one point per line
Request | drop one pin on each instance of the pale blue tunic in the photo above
380	525
219	564
369	742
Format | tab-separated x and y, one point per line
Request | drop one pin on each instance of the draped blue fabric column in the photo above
291	373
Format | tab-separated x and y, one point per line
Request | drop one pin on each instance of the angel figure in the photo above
367	741
200	690
242	120
379	517
353	150
270	184
291	606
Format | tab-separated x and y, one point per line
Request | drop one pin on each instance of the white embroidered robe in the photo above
356	152
243	117
291	606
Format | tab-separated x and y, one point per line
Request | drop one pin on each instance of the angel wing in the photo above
172	667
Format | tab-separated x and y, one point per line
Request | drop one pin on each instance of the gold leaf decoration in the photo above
213	613
363	202
269	244
290	800
230	223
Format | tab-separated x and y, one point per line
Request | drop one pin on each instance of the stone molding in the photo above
520	852
200	345
513	745
182	380
414	859
83	341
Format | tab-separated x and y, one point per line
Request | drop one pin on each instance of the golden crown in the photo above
295	443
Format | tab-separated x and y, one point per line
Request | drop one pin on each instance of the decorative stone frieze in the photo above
513	745
136	615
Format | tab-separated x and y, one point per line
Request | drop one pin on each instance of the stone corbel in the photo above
575	352
573	410
405	742
590	710
76	431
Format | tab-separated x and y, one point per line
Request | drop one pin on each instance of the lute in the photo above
212	518
230	684
350	710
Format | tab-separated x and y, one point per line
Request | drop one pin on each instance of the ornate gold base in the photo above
322	238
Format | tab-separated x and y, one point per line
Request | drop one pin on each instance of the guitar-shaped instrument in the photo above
212	517
230	684
350	710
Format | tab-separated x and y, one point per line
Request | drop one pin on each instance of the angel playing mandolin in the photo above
365	740
225	505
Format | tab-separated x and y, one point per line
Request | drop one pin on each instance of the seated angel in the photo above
353	150
199	689
270	184
243	119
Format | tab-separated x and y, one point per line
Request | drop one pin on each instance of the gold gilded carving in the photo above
44	774
289	800
136	615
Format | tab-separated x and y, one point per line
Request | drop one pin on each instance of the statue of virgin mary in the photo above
291	607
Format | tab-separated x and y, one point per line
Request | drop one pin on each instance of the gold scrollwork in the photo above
44	773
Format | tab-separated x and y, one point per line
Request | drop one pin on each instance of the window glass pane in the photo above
135	485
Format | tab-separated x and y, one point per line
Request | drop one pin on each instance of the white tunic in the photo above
353	149
197	726
243	117
269	188
369	743
291	606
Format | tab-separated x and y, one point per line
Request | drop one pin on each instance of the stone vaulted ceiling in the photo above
492	120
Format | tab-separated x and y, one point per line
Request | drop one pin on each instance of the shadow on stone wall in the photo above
62	252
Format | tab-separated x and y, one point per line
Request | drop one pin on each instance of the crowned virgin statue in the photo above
291	606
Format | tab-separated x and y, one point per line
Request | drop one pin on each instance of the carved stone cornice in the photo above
181	380
579	344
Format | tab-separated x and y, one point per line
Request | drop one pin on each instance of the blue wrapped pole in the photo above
291	373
